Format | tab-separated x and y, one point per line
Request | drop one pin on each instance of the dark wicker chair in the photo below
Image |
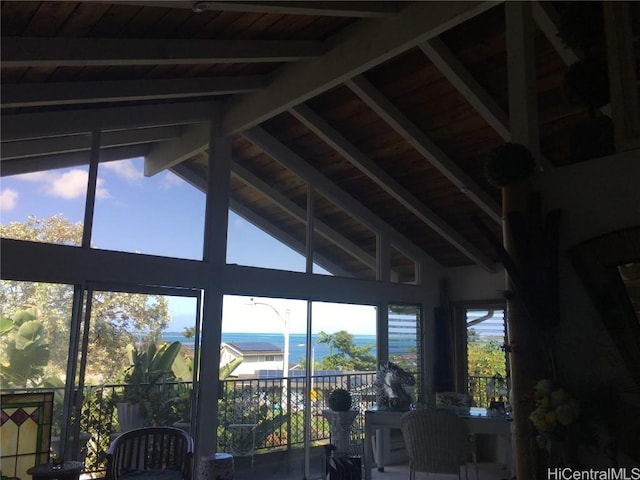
161	453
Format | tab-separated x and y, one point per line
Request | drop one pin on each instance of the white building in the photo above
256	356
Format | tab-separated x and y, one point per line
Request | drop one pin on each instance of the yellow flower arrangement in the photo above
555	411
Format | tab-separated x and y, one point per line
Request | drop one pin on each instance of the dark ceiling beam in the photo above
285	156
82	142
69	93
385	181
65	160
330	9
22	126
359	48
83	52
424	145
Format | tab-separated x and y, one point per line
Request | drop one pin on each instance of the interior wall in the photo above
595	197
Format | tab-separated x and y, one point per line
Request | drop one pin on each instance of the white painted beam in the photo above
166	154
424	145
332	137
83	52
463	81
63	160
359	48
69	93
547	20
68	122
282	154
82	142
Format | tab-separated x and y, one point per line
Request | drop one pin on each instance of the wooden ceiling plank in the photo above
360	47
68	93
58	52
331	136
463	81
64	160
78	143
177	150
425	146
282	154
330	8
300	214
68	122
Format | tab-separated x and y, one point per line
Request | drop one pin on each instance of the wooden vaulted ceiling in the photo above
388	108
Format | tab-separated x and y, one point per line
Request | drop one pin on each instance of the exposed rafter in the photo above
331	136
68	93
82	142
427	148
64	160
48	124
461	78
282	154
363	46
83	52
177	150
323	8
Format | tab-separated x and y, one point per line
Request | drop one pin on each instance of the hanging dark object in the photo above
586	84
509	163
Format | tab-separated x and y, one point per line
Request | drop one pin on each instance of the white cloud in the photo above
125	169
68	185
8	200
169	180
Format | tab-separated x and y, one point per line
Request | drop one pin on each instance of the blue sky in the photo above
160	215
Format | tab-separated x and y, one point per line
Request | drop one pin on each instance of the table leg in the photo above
368	452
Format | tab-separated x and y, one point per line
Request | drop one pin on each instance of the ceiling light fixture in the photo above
201	6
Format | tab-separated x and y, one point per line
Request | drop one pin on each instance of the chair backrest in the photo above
437	441
163	449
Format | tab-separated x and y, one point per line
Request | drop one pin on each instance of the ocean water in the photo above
297	342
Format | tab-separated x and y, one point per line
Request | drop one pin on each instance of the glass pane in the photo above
36	322
45	206
133	337
486	360
336	254
405	341
159	215
403	268
267	217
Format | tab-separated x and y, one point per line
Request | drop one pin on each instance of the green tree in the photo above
116	318
347	355
484	358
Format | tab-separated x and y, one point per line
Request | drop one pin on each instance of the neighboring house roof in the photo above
253	348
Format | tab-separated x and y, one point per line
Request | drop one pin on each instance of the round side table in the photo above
216	467
68	471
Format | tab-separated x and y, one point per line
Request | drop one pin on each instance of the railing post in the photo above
288	387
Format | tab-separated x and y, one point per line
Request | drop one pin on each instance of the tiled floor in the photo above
486	471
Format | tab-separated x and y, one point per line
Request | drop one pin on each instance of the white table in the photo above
378	422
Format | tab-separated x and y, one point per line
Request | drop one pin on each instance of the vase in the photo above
340	426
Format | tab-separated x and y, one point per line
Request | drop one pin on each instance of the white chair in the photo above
241	424
437	441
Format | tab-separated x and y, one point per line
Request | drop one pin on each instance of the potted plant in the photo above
146	371
339	400
340	417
